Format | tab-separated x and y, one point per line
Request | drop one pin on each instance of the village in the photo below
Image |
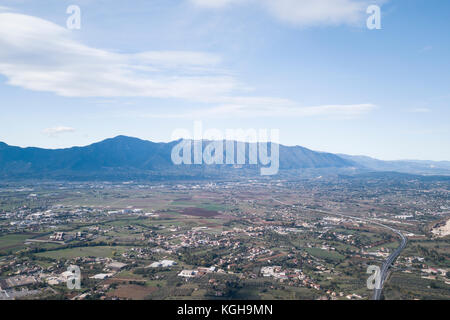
172	244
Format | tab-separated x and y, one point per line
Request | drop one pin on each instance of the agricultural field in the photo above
220	241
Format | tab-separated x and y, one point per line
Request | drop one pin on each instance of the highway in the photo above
389	261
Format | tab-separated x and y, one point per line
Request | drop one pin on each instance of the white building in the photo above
188	273
102	276
162	264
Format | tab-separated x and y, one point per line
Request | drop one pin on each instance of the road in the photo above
389	261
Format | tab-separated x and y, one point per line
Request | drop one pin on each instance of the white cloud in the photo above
39	55
58	130
420	110
216	3
304	12
269	107
315	12
426	49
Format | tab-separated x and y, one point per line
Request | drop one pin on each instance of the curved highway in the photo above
389	261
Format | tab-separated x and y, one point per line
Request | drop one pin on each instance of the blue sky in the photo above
309	68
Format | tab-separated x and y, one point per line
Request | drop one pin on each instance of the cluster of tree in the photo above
201	259
430	254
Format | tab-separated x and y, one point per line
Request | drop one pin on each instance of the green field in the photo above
13	241
324	254
101	251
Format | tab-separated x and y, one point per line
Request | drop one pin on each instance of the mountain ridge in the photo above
125	157
132	154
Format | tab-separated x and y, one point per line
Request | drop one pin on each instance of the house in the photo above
162	264
101	276
270	271
116	266
188	273
18	281
58	236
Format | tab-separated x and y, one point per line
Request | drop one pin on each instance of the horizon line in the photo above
168	142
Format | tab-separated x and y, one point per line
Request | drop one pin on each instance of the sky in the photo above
310	68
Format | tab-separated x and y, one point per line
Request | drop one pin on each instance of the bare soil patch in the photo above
199	212
132	291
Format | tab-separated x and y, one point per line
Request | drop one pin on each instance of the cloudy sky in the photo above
310	68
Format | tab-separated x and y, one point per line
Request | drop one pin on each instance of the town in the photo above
257	239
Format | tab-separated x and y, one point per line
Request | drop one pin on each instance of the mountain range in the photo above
124	158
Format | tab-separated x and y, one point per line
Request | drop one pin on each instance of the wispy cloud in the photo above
216	3
304	12
270	108
426	49
420	110
58	130
39	55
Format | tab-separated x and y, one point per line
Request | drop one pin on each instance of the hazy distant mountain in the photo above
405	166
125	157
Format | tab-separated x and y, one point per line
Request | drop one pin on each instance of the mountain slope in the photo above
404	166
128	156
